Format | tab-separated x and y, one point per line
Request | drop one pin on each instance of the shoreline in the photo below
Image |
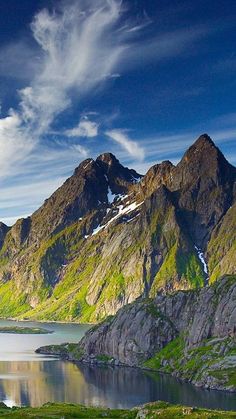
111	363
46	321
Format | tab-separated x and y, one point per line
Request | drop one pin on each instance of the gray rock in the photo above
204	317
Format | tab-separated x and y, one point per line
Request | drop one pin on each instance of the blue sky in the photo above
142	79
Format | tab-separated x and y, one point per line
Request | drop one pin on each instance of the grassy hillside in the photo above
152	410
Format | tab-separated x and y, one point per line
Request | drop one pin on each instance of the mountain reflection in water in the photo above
36	382
31	379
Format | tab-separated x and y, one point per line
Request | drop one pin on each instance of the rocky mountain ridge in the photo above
190	334
109	235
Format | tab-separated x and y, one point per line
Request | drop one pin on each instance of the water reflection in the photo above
30	379
36	383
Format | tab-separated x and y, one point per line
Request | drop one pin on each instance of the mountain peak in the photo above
202	153
202	148
108	159
119	177
156	176
204	139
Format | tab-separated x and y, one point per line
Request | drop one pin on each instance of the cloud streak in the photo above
85	128
78	49
132	147
80	45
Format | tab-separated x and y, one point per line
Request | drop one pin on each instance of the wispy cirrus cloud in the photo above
131	146
19	60
172	146
85	128
77	47
164	46
15	142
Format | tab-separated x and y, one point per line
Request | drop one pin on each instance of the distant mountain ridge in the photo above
109	235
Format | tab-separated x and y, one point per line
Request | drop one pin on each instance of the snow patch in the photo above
96	230
121	211
111	196
132	219
84	167
136	179
123	197
202	259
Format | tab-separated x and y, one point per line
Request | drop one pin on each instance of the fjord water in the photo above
31	379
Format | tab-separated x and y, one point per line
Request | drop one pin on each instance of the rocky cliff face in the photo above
191	334
108	236
3	231
140	329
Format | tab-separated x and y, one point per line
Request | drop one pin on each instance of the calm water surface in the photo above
27	378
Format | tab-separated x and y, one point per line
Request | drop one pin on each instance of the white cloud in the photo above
9	221
85	128
38	177
132	147
163	47
15	143
78	53
79	47
19	60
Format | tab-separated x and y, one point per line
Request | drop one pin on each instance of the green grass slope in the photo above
221	249
161	410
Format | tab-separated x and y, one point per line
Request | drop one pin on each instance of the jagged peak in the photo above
204	139
113	168
166	164
201	146
156	176
84	166
204	154
108	159
204	144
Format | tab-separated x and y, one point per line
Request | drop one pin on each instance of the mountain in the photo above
109	235
190	334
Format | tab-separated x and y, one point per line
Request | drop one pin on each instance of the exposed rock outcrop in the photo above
189	334
108	236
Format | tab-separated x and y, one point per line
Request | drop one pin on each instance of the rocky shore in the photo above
189	334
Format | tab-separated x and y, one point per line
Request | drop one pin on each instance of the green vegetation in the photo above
24	330
179	266
71	351
169	358
227	375
103	358
162	410
67	278
188	267
53	268
214	358
12	303
222	246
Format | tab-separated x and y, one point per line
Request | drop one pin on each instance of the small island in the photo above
22	330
